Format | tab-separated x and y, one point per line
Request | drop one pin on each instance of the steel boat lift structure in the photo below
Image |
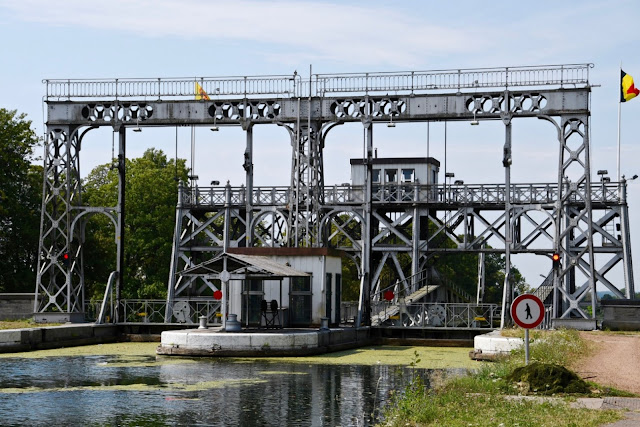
586	223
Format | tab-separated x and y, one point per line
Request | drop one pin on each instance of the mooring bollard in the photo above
324	323
232	323
203	322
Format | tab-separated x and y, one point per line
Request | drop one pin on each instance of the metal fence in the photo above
348	312
437	315
294	85
409	82
186	311
397	193
412	315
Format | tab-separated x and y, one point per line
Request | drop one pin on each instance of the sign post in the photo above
527	311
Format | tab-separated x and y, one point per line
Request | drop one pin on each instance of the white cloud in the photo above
340	32
372	33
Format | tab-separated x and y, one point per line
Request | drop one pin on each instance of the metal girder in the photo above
424	107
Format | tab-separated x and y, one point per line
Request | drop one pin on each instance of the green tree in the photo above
20	203
461	269
494	279
352	228
151	197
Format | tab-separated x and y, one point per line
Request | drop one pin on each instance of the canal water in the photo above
144	390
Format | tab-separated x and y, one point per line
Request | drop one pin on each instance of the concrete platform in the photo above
492	345
257	342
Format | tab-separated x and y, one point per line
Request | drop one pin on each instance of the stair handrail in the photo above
107	291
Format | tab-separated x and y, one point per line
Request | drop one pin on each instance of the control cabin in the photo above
399	170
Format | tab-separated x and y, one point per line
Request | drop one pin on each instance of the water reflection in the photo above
106	390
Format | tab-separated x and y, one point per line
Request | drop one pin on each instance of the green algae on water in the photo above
430	357
142	354
142	362
171	387
282	373
113	349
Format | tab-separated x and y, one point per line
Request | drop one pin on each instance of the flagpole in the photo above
619	111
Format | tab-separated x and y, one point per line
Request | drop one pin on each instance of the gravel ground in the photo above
614	362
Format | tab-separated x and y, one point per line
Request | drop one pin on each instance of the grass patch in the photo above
481	397
453	406
559	347
24	324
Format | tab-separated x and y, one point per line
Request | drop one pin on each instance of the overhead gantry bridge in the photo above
586	222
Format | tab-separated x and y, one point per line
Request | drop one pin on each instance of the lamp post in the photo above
448	176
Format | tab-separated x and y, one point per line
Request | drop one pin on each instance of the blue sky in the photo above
161	38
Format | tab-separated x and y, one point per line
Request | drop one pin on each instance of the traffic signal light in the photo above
65	259
556	261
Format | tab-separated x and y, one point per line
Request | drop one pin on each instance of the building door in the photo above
252	296
300	301
338	298
328	295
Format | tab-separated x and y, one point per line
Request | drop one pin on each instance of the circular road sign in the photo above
527	311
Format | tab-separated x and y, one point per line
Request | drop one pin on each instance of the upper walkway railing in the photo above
482	194
283	86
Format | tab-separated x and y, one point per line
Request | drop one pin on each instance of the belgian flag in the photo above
628	90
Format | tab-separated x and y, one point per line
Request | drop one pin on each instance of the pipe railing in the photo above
294	85
438	315
153	311
107	295
490	194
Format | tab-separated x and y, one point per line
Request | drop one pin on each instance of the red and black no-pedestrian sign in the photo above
527	311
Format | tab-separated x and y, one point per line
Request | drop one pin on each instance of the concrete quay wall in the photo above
15	340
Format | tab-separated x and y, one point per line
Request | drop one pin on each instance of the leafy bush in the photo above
547	378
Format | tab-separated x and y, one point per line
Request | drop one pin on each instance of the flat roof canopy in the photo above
242	267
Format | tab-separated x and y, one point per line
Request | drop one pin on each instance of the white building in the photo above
303	301
400	170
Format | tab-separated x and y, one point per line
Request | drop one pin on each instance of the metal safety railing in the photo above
153	311
417	286
399	193
547	321
348	312
294	85
216	196
437	315
403	82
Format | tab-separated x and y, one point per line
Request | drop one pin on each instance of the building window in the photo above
408	175
391	176
375	176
